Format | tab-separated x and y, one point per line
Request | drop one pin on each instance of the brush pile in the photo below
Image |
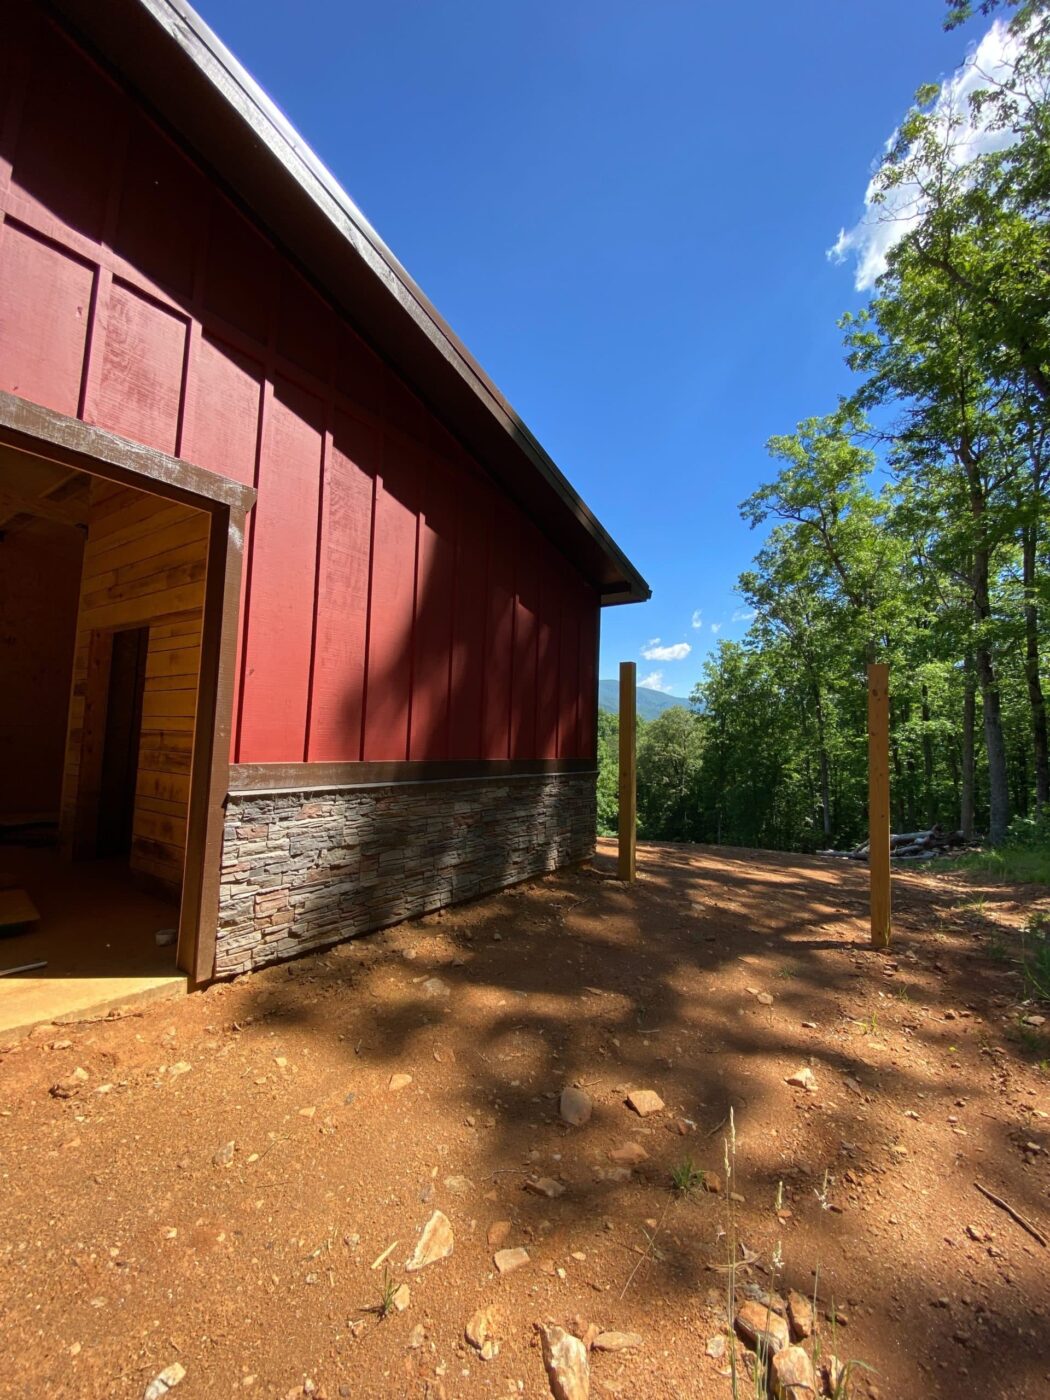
910	845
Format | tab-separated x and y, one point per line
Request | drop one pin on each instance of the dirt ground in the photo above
132	1237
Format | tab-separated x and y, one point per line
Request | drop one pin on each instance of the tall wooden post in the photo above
879	801
628	776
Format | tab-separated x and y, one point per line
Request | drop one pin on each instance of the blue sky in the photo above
624	210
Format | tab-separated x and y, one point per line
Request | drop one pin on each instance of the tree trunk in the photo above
825	772
927	759
1029	551
966	800
995	748
994	743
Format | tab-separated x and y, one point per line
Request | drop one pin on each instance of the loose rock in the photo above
803	1079
575	1106
645	1101
565	1359
498	1233
759	1327
434	987
716	1346
800	1315
71	1085
436	1242
834	1374
545	1186
479	1334
507	1260
793	1375
402	1297
224	1156
399	1081
617	1341
167	1380
631	1153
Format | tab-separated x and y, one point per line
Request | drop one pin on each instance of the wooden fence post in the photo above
879	801
628	827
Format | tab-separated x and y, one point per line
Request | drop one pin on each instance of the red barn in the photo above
299	623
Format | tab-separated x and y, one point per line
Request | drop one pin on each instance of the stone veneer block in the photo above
301	870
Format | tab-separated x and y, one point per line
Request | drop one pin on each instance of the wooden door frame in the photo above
41	432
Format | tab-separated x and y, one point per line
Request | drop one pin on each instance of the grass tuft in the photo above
686	1177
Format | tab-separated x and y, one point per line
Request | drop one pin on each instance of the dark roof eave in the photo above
165	51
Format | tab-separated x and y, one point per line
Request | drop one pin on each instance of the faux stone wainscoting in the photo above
305	869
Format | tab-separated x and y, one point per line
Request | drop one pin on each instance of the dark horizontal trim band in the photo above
41	431
305	777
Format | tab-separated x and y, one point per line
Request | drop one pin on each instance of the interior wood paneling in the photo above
144	564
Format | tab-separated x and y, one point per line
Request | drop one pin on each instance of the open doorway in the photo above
102	589
120	748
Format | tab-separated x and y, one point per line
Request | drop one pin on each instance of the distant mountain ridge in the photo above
650	702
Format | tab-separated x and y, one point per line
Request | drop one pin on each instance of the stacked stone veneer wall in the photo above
303	869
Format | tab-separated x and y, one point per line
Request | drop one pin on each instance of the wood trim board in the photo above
258	778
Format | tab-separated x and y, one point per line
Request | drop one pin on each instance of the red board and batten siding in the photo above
396	604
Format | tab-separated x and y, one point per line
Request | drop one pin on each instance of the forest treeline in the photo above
907	526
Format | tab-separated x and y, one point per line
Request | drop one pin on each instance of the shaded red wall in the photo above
396	604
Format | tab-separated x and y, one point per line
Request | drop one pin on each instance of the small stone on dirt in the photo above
71	1085
645	1101
834	1374
800	1315
630	1154
224	1156
167	1380
793	1375
399	1081
416	1337
545	1186
433	987
575	1106
617	1341
1035	1021
479	1334
507	1260
716	1346
436	1242
565	1359
764	998
759	1326
402	1297
713	1183
498	1233
803	1079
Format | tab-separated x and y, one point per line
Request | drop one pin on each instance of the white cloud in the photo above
698	618
873	236
744	615
654	681
716	627
674	651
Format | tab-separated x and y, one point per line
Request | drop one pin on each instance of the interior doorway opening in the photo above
102	589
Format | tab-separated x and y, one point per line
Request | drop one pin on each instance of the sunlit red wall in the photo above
397	605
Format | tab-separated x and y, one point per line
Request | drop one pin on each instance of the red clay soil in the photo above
127	1245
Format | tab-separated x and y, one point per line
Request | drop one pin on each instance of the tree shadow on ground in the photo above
578	978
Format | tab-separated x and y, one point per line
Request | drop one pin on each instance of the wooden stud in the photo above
879	801
628	772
